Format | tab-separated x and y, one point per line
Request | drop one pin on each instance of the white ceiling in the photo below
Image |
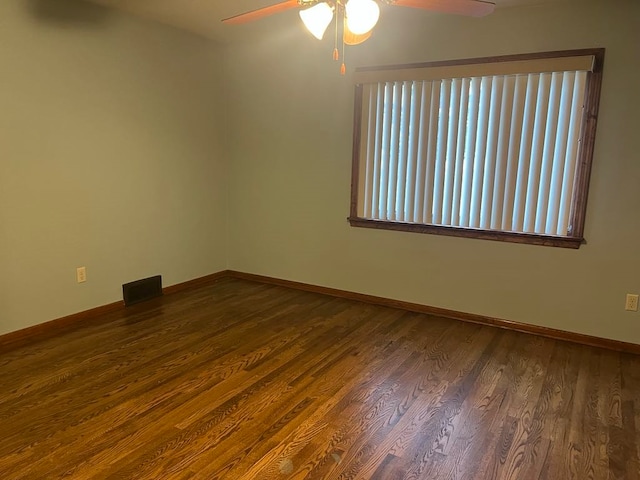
203	17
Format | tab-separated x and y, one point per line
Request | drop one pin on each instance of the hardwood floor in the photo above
242	380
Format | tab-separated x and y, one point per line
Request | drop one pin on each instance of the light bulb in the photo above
317	19
362	15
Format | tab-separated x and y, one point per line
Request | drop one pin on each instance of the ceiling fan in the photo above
358	16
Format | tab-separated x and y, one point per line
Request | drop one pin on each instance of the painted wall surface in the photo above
110	157
290	159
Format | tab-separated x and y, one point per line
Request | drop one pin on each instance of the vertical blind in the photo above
495	152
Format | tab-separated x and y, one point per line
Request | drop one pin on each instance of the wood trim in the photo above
495	59
587	145
512	237
583	167
57	326
552	333
478	69
51	328
41	331
195	283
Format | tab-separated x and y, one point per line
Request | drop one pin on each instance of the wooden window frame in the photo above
583	170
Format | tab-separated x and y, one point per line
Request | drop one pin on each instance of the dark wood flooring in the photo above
242	380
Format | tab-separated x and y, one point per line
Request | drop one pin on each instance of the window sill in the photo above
527	238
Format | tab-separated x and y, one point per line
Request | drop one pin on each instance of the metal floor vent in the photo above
141	290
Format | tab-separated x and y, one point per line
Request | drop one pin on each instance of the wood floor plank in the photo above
241	380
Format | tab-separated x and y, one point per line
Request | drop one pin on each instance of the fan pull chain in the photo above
343	67
336	55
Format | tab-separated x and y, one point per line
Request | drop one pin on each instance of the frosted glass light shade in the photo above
362	15
351	38
317	19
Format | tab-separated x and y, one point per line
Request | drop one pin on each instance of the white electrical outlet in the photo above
81	275
632	303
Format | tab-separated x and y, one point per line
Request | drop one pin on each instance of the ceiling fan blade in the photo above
261	12
471	8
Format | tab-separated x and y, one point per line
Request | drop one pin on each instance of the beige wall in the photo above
290	147
110	157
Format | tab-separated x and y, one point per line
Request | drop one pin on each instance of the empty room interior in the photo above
321	313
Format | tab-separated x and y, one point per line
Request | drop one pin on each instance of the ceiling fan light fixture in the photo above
362	15
317	19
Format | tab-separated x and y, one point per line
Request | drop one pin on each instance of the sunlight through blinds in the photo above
493	152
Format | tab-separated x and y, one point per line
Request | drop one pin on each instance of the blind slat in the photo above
460	149
480	150
491	151
412	153
555	188
423	140
469	151
524	159
441	149
394	150
501	170
509	210
403	151
432	133
550	137
572	151
366	163
452	139
385	152
536	153
377	160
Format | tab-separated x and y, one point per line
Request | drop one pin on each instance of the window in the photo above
497	148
